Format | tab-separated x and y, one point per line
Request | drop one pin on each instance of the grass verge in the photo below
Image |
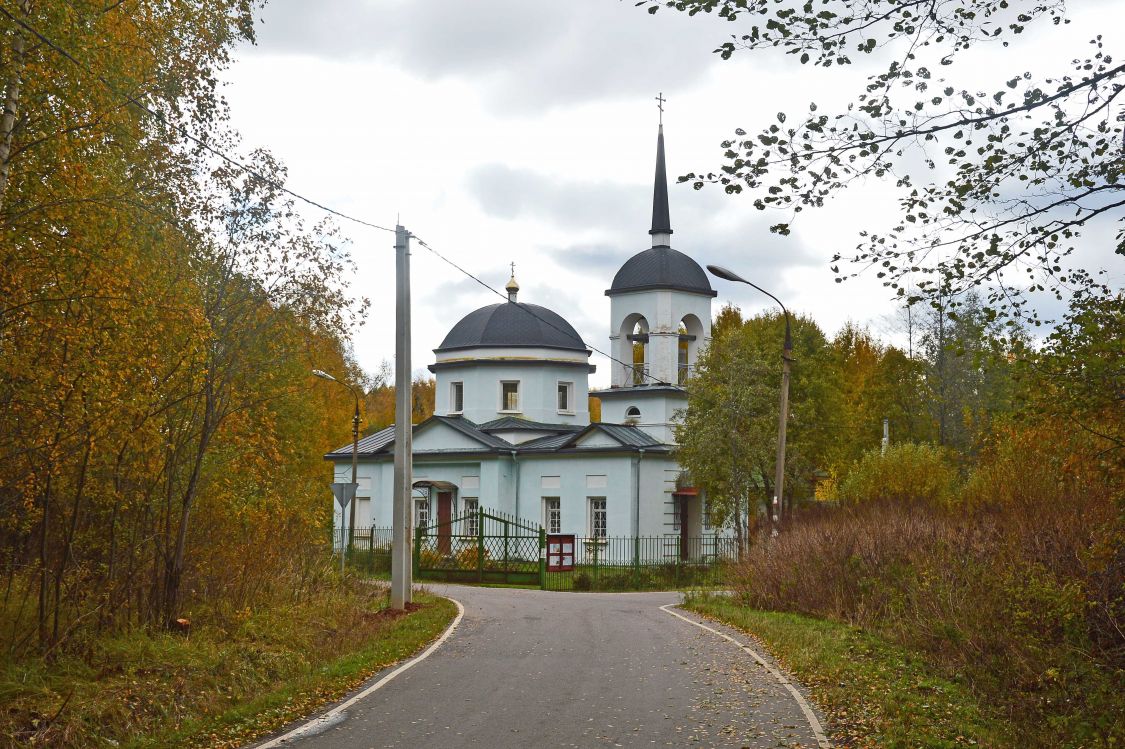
874	694
220	686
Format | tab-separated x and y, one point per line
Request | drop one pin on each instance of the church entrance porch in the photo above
444	516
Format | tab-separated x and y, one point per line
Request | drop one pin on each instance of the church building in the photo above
511	431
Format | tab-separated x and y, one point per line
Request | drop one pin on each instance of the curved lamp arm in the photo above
729	275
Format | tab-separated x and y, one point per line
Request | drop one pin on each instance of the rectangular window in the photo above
510	396
566	397
552	514
471	516
456	397
597	517
421	513
706	514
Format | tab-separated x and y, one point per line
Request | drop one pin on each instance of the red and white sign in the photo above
560	553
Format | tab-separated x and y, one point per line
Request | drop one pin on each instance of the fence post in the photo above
506	534
542	559
480	544
597	545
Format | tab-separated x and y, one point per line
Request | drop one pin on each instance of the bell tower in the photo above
660	319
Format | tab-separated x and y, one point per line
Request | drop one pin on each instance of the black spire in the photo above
661	224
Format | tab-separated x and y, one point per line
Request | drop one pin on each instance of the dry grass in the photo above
217	686
1021	598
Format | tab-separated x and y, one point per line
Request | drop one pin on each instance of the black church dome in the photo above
661	267
513	324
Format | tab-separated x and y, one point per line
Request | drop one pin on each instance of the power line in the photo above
183	131
280	187
528	310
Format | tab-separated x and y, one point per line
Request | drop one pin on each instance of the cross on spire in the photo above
660	105
513	287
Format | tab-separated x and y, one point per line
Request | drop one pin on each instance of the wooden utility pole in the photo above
404	474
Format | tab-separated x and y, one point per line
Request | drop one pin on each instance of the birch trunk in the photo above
12	101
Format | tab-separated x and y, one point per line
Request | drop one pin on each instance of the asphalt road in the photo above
529	668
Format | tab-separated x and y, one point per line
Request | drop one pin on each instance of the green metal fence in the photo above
365	549
482	547
492	547
645	563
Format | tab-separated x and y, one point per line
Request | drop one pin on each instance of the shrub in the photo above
908	472
1015	585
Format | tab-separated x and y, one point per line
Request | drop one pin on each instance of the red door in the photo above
444	518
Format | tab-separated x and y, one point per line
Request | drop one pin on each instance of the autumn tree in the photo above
877	382
160	312
728	436
996	185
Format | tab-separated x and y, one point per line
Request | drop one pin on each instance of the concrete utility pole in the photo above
779	475
886	436
401	572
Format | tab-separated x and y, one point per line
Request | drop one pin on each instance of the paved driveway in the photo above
528	668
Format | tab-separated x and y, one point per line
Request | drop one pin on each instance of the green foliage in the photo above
728	438
956	155
908	473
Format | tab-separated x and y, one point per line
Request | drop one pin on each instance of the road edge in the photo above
329	716
806	708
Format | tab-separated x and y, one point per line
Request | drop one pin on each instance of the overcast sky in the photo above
525	130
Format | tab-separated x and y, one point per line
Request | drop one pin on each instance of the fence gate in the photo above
480	547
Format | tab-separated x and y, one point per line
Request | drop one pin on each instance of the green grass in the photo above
218	686
875	694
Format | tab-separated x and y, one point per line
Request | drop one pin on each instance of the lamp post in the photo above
786	358
355	451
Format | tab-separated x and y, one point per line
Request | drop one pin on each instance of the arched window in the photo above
632	412
683	367
687	350
639	338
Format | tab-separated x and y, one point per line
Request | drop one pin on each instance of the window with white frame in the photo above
597	517
470	506
510	395
456	397
421	513
566	397
706	514
552	514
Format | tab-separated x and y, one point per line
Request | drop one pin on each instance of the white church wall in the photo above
663	310
658	411
569	480
538	391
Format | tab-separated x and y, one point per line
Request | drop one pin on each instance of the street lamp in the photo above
786	358
355	446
